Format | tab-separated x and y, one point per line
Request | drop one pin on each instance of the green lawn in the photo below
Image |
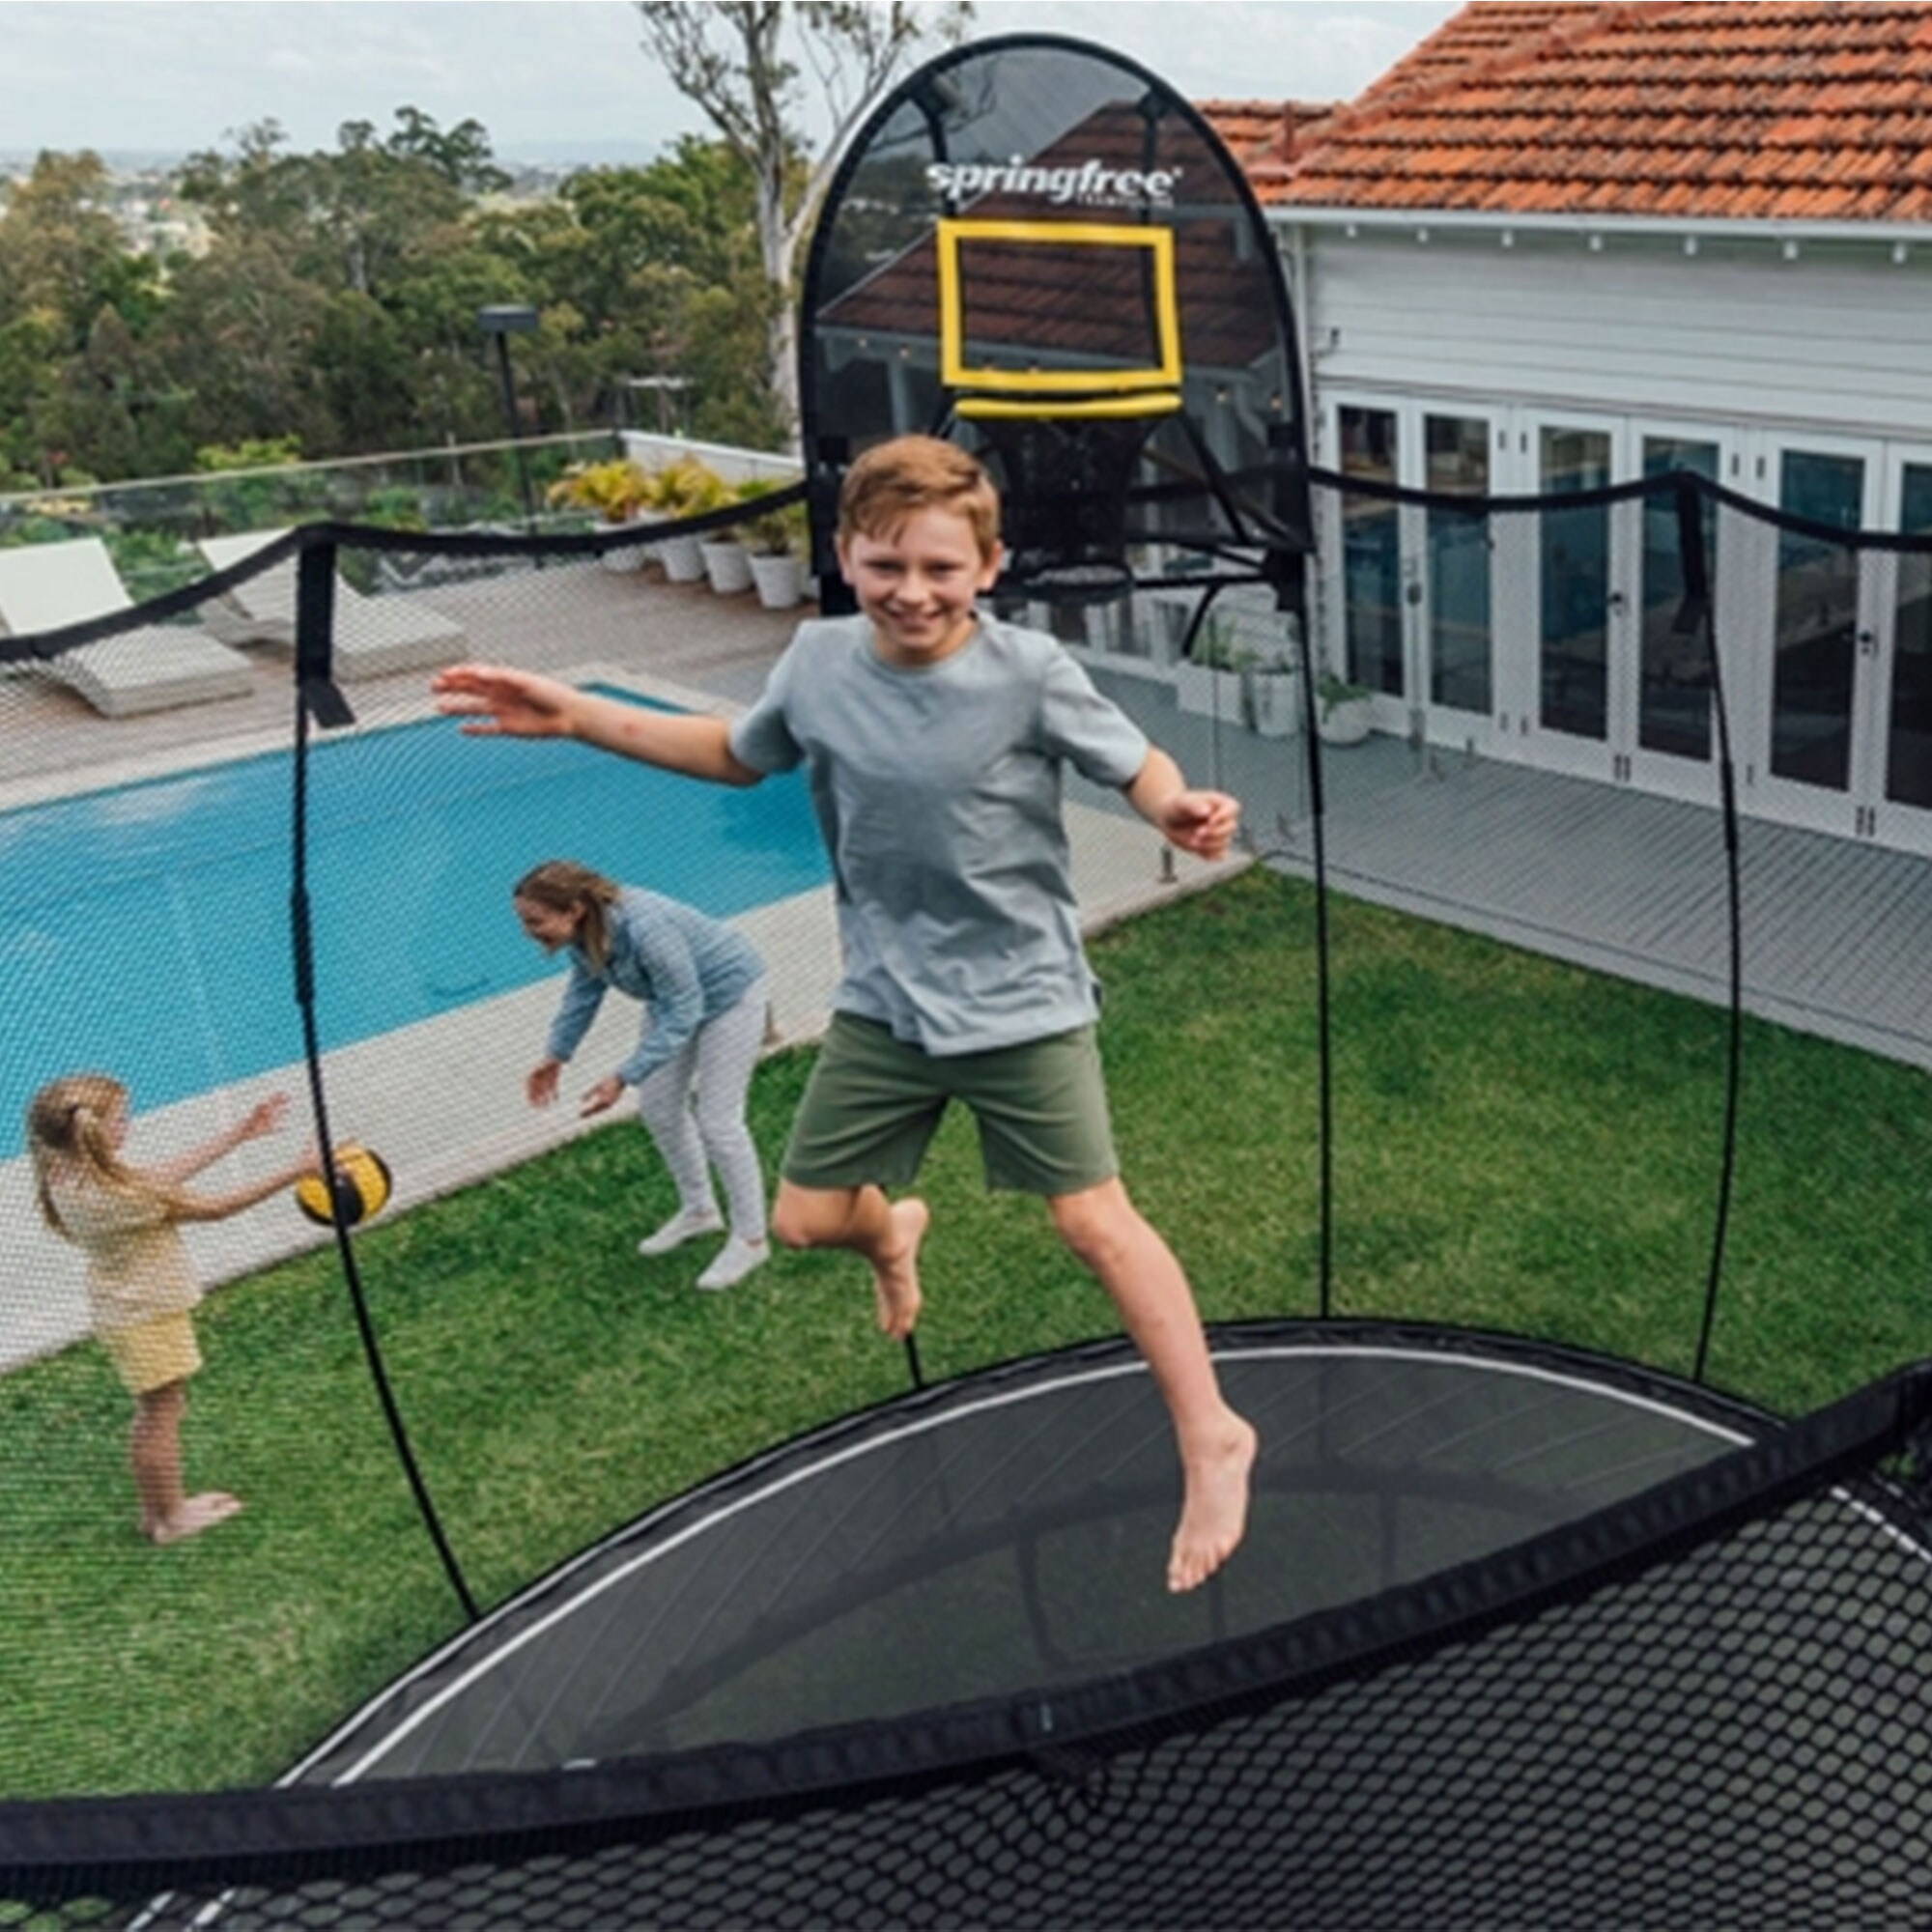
1519	1145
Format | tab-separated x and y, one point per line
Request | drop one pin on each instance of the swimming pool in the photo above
143	929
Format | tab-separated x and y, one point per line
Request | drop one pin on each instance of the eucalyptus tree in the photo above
68	284
745	63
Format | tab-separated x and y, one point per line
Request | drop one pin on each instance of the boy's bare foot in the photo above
896	1272
1213	1507
196	1514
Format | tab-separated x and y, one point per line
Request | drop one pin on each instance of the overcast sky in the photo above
550	77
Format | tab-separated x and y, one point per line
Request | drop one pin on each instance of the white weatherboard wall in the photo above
1838	340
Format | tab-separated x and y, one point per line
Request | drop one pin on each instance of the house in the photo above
1561	245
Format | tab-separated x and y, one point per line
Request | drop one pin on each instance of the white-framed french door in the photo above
1567	573
1415	583
1365	582
1596	678
1807	688
1664	729
1892	771
1452	641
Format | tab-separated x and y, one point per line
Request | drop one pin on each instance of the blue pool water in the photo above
144	931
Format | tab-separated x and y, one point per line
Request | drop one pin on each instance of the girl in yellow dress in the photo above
141	1286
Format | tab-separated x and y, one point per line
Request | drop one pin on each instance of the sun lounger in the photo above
44	586
373	635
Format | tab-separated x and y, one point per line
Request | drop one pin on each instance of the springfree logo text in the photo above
1091	184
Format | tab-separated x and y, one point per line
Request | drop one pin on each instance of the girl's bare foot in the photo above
196	1514
1214	1506
896	1270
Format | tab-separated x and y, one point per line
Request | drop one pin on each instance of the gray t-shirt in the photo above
938	793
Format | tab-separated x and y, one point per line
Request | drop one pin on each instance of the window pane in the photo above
1674	672
1458	452
1908	751
1816	640
1372	552
1575	586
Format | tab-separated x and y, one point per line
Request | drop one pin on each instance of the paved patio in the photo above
1836	934
543	619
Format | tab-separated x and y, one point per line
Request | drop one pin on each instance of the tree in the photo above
342	291
461	156
739	61
75	308
61	254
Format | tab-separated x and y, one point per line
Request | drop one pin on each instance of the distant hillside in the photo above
121	161
581	152
559	153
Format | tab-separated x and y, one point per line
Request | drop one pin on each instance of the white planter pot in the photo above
1275	703
1347	722
628	556
780	581
1208	692
726	565
682	560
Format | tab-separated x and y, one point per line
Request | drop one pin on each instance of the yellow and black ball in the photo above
357	1191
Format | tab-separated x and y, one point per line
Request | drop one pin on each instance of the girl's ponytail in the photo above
67	1125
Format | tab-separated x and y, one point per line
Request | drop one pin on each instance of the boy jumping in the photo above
934	736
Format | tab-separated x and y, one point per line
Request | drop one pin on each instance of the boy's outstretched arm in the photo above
504	703
1201	822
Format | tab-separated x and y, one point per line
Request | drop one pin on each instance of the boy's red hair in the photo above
893	479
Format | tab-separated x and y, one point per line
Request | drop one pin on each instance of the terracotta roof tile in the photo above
1699	108
1265	132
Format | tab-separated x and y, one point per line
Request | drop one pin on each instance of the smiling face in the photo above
549	926
917	583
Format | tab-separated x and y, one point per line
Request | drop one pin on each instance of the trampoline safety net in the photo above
1536	1098
1582	995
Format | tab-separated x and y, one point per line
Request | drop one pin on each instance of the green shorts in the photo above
873	1103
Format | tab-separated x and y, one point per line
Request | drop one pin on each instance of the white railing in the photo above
654	449
150	524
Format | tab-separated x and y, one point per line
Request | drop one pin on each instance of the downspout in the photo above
1302	290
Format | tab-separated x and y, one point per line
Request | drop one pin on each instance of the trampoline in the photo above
1519	1633
1565	1641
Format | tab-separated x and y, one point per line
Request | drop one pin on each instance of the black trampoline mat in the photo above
1008	1534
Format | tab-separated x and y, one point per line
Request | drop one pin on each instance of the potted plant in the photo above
1270	692
776	542
1208	680
1344	709
616	491
686	488
727	558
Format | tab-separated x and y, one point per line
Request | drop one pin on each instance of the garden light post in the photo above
504	322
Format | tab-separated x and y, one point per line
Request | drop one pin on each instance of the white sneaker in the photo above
682	1227
735	1260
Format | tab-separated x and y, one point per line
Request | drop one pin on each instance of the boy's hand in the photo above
540	1084
1201	822
513	703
